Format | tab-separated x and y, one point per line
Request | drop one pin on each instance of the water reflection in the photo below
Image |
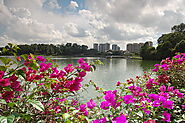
112	71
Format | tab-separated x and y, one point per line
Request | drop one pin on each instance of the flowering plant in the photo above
33	89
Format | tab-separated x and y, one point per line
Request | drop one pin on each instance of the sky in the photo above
87	21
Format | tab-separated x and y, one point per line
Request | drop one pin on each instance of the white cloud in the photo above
73	5
113	21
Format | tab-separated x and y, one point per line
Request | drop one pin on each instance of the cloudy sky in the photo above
87	21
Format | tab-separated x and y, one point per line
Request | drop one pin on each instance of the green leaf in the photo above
25	56
5	60
34	66
3	68
66	116
37	104
140	113
2	101
32	55
11	104
8	119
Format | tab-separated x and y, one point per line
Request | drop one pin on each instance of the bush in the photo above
33	89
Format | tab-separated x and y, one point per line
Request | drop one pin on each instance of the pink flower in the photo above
162	88
170	88
146	110
82	74
69	68
16	86
8	95
168	104
178	94
156	103
81	61
177	56
1	74
110	96
166	116
118	83
105	105
165	67
5	82
102	120
120	119
40	58
44	66
128	99
91	104
85	66
150	121
83	107
153	96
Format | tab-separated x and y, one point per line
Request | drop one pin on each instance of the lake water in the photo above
113	70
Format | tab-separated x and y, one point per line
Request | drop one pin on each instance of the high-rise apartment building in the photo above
95	46
115	47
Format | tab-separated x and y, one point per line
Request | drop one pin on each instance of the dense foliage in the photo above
33	89
168	44
50	49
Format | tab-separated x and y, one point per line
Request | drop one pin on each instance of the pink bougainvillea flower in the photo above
168	104
44	66
82	74
102	120
170	88
1	74
153	96
120	119
91	104
118	83
166	116
85	66
69	68
81	61
105	105
162	88
128	99
8	95
40	58
150	121
156	103
5	82
109	96
146	111
16	86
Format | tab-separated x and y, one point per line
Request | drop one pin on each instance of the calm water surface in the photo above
113	70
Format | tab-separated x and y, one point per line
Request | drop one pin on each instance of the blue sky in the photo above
87	21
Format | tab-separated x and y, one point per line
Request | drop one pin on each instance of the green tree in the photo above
147	52
178	28
180	47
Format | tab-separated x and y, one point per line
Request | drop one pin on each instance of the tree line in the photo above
168	44
51	49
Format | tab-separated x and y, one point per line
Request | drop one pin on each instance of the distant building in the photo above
115	47
95	46
129	48
102	47
107	47
135	47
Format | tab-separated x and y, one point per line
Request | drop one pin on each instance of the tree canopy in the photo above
168	44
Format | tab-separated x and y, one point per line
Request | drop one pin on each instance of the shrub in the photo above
33	89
